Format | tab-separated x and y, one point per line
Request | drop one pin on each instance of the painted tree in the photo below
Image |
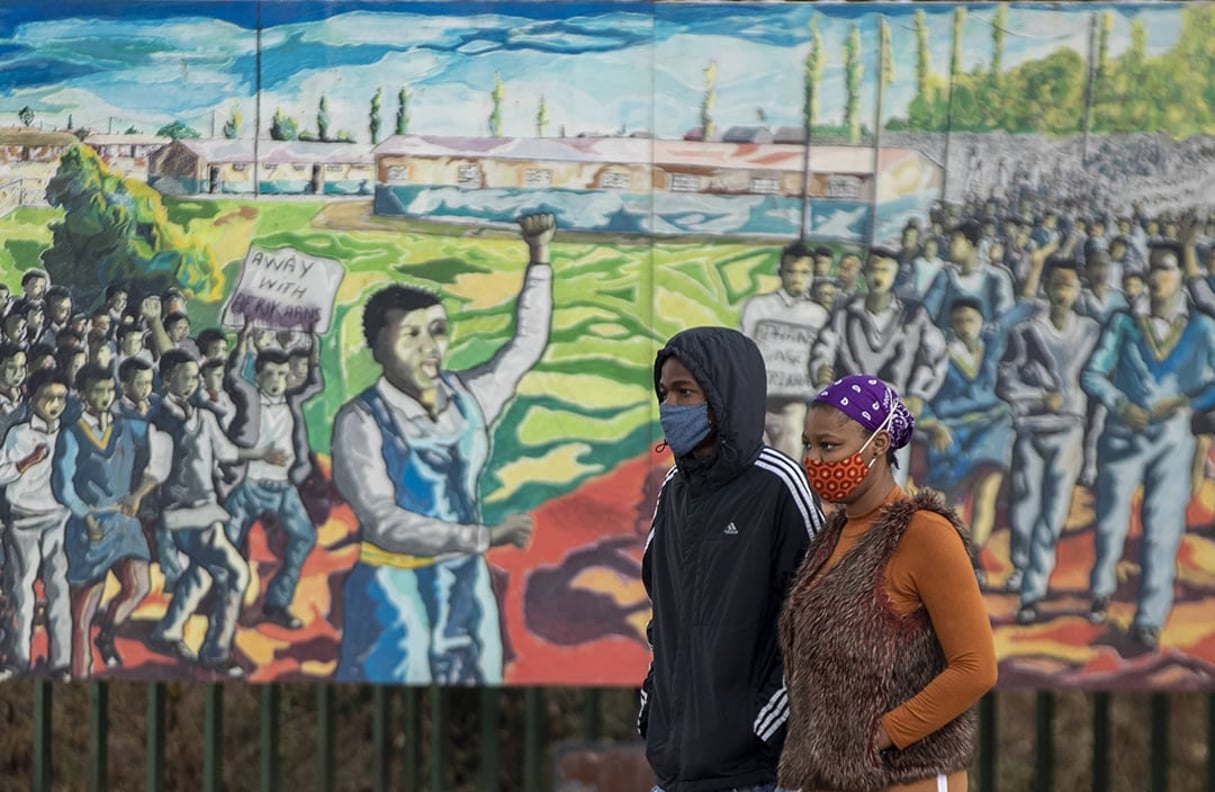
403	111
854	70
919	112
541	117
955	53
887	53
322	119
998	25
26	115
115	230
955	64
495	116
813	75
707	127
990	97
1134	62
70	124
283	127
233	124
1050	90
178	130
374	122
1101	82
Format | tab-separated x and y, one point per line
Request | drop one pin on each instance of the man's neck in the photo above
876	302
1164	308
103	417
1058	315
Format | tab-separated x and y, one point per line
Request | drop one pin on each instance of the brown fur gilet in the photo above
849	658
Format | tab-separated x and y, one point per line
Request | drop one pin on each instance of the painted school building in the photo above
278	167
643	185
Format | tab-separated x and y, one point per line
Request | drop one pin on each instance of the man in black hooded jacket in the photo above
733	521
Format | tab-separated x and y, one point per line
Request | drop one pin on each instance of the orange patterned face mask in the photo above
836	481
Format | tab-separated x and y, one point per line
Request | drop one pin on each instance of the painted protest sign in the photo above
284	289
786	351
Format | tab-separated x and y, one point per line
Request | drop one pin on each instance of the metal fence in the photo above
426	755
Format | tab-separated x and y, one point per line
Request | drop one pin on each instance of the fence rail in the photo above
398	741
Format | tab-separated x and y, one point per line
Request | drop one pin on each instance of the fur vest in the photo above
849	658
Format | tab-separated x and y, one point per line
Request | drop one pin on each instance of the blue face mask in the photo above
684	427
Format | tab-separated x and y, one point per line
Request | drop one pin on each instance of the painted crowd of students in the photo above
1049	349
127	442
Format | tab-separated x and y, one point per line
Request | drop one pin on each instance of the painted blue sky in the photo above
601	67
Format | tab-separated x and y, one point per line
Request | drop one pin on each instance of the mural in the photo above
328	327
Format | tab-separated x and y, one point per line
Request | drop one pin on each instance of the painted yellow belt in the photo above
378	556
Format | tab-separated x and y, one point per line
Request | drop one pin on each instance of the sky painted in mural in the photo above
145	65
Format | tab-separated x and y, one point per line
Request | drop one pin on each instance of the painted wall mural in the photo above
328	326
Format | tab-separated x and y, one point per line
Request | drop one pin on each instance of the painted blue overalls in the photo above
416	619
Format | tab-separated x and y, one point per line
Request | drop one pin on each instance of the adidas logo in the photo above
731	530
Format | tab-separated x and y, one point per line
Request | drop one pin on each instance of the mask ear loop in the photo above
884	424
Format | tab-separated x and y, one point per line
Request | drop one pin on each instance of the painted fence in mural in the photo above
328	327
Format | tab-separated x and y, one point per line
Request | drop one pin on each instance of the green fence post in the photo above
413	741
213	737
1160	742
489	739
592	713
987	743
438	729
1211	742
381	735
325	724
99	699
1101	742
43	736
269	709
533	744
1044	711
155	778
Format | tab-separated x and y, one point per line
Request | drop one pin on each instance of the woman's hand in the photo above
883	739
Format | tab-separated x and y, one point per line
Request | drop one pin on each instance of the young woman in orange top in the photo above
886	642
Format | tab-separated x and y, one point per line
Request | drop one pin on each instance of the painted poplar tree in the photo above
495	116
854	70
403	111
887	54
1134	61
813	75
374	121
707	127
322	119
920	111
233	124
541	117
992	100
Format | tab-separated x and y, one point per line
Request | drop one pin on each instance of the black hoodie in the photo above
728	535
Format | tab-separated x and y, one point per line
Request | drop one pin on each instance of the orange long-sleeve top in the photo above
930	569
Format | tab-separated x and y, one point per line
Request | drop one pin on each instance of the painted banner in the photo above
462	231
285	289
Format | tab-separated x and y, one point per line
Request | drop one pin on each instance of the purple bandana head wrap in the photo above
869	401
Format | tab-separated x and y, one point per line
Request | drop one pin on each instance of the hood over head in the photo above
730	370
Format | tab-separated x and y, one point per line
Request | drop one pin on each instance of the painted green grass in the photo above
585	408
